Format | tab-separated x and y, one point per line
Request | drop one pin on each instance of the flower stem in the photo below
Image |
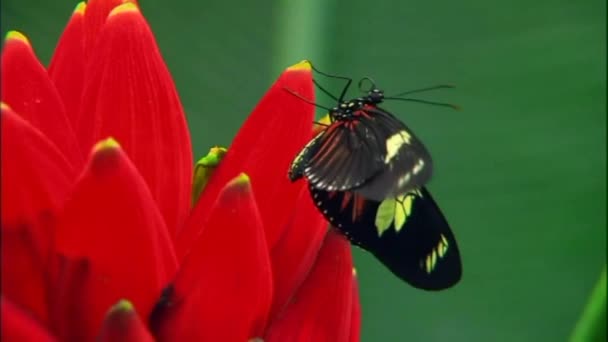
592	324
301	30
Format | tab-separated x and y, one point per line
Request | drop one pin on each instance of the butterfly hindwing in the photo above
408	234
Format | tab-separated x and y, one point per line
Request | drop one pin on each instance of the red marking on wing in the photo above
328	145
346	200
364	112
352	124
358	207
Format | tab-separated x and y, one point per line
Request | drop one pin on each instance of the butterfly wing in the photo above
371	152
406	163
408	234
296	170
340	158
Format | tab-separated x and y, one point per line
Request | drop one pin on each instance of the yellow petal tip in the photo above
80	8
240	181
303	65
4	106
122	305
124	8
321	124
354	272
106	144
16	35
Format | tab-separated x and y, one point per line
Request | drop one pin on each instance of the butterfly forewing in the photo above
370	152
406	163
408	234
296	170
344	157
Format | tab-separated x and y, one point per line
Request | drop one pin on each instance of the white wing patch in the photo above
437	253
394	143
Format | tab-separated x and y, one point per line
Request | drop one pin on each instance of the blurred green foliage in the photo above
520	172
592	325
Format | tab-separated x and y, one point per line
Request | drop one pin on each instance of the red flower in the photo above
99	235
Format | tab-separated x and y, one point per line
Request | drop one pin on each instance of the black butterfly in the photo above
408	234
365	149
366	173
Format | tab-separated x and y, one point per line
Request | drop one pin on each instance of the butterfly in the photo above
365	149
366	173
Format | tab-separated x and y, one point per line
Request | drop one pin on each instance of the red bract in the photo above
100	239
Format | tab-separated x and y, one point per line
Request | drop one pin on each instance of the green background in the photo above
520	172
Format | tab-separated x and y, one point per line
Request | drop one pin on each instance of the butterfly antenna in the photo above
326	74
341	99
442	104
348	81
324	90
371	81
305	99
439	86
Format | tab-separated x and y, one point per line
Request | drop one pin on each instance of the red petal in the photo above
18	326
70	297
122	324
36	178
223	290
112	221
294	254
67	65
321	309
27	88
129	94
355	319
264	148
95	16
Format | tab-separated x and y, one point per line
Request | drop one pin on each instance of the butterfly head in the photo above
375	96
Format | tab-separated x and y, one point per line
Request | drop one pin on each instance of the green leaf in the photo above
592	324
204	169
